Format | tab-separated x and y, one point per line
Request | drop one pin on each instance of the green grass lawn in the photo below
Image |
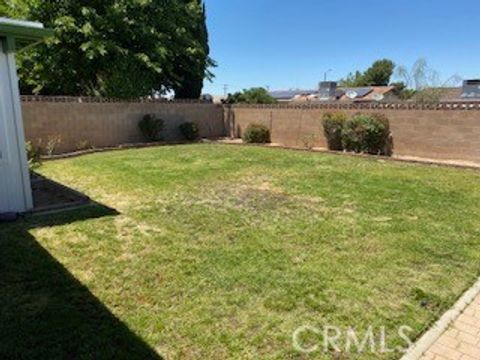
221	252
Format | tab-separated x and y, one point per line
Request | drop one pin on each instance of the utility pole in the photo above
325	74
225	90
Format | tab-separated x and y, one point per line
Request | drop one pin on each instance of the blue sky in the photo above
290	44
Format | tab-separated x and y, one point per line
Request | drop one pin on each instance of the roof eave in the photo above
22	36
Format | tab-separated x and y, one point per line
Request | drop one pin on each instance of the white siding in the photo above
15	191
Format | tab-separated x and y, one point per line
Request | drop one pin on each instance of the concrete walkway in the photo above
462	339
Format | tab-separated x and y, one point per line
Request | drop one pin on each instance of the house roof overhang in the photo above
19	34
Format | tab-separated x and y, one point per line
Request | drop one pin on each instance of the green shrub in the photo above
332	127
151	127
367	134
386	138
256	134
190	131
34	155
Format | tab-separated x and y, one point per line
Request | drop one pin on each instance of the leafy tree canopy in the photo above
256	95
194	69
378	74
118	48
402	91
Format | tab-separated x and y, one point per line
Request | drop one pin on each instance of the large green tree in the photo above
256	95
119	48
193	70
378	74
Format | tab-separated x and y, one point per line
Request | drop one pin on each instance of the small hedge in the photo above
332	127
367	134
190	131
151	127
34	155
256	134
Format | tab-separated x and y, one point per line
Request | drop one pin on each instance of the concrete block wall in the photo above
438	132
104	124
447	131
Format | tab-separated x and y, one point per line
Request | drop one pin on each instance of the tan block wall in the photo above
446	131
440	134
112	124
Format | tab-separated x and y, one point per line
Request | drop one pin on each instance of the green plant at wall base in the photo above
308	141
84	145
151	127
366	134
190	131
385	140
256	134
34	154
52	143
332	127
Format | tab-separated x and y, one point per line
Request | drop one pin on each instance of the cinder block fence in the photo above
81	122
449	131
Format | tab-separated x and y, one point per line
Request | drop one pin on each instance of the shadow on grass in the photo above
45	313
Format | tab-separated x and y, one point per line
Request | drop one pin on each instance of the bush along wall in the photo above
363	133
333	124
368	133
190	131
151	127
256	134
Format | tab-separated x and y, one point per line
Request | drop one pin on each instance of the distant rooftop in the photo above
363	93
289	94
454	94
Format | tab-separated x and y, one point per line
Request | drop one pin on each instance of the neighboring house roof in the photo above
290	94
448	94
366	93
443	94
360	91
218	99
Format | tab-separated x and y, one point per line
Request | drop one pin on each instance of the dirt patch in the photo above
251	194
